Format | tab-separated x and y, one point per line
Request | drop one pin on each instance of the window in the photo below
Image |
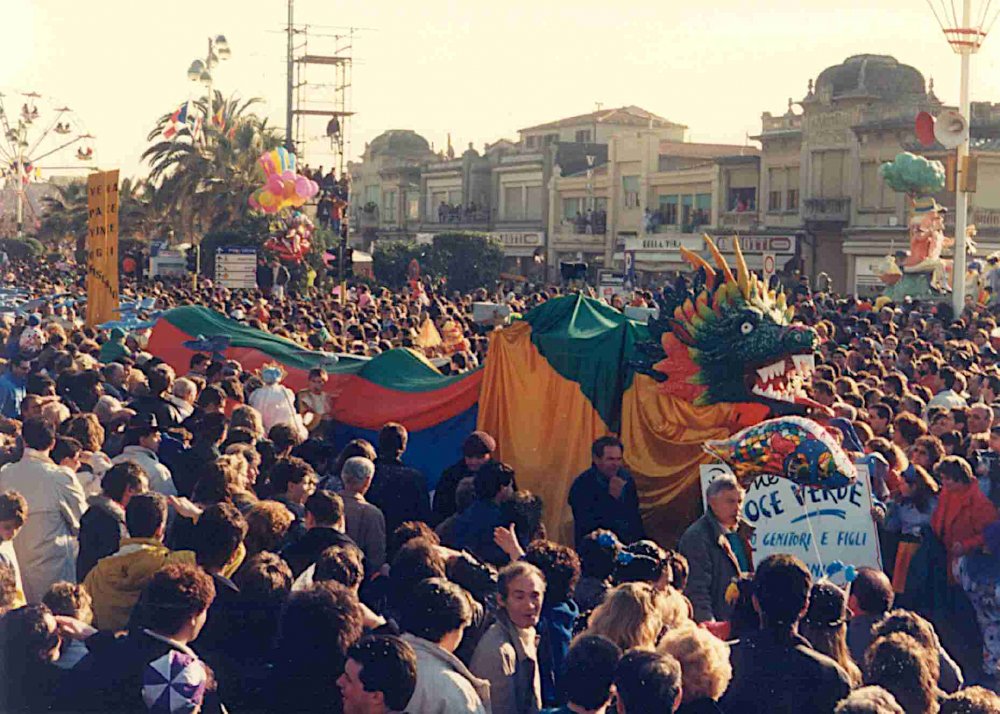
630	191
571	207
702	210
830	173
533	203
372	194
434	209
742	199
687	213
870	185
583	136
413	205
776	181
792	199
529	142
549	139
513	205
668	210
389	206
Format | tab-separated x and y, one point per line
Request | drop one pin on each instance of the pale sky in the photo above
478	69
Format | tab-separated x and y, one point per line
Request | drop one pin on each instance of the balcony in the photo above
738	220
827	210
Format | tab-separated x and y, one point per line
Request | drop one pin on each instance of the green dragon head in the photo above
729	338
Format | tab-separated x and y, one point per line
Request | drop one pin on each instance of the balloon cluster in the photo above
291	238
283	186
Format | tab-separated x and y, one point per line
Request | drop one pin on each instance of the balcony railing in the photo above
738	219
836	210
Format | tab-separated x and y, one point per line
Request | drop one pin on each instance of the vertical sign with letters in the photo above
102	246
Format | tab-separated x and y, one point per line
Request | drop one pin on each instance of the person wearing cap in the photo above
114	347
477	450
142	442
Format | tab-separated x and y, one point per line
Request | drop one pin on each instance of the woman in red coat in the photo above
961	516
962	512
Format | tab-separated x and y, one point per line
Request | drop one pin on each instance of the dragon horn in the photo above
743	279
717	257
696	262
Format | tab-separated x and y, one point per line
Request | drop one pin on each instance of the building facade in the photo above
819	169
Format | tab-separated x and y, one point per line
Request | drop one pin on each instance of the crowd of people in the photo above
169	544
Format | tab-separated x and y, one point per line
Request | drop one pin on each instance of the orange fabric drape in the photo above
543	424
663	437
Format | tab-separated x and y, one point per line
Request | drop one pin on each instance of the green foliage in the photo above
391	260
912	174
466	260
203	182
22	248
323	239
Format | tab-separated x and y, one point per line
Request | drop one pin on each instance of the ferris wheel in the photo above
38	136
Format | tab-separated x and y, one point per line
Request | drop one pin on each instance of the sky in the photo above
479	70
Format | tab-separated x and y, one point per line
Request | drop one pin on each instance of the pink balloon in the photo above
274	184
288	175
313	187
302	187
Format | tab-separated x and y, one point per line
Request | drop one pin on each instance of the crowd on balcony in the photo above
591	222
667	216
463	213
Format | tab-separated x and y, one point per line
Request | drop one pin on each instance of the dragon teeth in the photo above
805	364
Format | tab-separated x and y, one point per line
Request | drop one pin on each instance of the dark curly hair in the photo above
560	566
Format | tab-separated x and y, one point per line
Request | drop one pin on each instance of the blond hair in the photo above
704	659
630	616
674	608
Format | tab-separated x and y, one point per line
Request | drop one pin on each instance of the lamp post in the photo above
965	37
201	71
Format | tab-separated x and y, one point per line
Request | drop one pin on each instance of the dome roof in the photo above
872	75
399	142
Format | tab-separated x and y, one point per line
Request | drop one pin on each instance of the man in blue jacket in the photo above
604	496
473	529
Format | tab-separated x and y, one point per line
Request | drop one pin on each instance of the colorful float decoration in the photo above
283	187
794	447
291	238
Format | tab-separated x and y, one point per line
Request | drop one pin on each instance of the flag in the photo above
218	119
179	117
196	132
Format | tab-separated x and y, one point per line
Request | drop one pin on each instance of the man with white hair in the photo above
365	522
717	549
183	396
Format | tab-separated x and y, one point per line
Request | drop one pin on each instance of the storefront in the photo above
759	250
658	255
520	249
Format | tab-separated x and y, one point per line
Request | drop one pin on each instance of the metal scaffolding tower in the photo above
319	66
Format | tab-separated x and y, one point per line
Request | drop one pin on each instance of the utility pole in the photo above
289	141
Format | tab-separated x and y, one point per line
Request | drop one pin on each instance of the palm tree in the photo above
65	215
204	181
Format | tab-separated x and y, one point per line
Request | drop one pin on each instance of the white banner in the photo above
816	525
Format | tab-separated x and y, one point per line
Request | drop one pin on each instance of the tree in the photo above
64	215
204	180
466	260
391	260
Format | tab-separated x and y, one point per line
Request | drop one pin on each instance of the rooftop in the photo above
693	150
622	116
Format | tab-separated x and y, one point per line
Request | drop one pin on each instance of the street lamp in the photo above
965	37
201	70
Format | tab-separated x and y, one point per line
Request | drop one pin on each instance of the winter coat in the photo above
46	547
960	517
306	550
365	524
158	475
116	582
400	492
593	507
501	659
102	530
713	567
444	684
110	678
555	630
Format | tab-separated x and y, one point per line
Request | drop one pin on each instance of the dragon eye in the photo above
746	328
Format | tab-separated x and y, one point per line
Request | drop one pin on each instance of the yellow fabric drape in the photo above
663	437
429	336
543	424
